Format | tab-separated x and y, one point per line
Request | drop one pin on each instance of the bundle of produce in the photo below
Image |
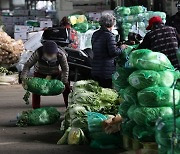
145	59
86	97
136	16
41	116
100	139
142	79
168	135
122	59
10	49
73	136
42	87
151	94
76	19
119	78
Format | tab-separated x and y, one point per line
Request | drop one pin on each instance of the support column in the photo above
64	8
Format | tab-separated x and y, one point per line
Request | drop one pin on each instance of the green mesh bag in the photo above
127	127
168	77
144	133
148	60
164	132
131	110
41	116
120	77
123	109
129	94
137	9
144	78
167	150
81	27
158	97
44	87
148	116
122	11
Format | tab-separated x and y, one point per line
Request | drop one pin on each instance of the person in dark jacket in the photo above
174	21
105	50
162	39
49	62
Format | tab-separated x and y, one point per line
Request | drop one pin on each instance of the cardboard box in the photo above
45	24
31	34
20	36
95	16
21	12
37	13
18	20
6	19
22	28
34	42
37	29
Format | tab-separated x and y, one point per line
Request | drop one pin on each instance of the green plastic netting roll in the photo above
158	97
148	60
44	87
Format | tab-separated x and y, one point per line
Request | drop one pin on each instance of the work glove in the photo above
112	125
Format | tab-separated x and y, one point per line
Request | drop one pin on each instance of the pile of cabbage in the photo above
88	96
147	88
127	17
81	24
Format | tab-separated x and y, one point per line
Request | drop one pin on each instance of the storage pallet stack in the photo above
147	89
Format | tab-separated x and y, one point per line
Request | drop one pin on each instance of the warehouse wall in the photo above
4	4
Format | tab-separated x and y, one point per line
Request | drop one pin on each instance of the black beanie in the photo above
50	47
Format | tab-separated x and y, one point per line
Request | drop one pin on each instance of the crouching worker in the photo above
49	62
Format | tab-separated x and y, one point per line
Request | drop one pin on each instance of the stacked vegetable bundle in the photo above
41	116
10	49
81	24
148	93
86	97
134	16
167	137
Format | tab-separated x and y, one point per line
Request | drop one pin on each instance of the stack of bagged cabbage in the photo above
81	24
86	97
134	16
147	88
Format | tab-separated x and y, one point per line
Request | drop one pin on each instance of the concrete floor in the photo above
41	139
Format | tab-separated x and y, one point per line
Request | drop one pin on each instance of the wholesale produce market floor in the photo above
33	140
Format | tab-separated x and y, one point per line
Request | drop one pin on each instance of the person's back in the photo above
103	61
164	39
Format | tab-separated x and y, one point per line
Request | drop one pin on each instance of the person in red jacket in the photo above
73	34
